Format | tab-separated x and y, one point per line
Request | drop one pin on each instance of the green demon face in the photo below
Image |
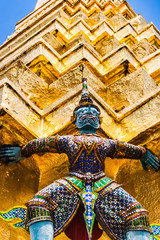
87	119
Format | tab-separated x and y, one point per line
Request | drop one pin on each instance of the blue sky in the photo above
11	11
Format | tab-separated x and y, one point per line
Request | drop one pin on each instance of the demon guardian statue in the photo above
51	210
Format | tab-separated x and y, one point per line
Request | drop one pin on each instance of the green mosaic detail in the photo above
156	231
18	213
75	181
97	185
101	183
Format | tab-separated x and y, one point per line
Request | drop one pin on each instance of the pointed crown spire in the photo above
85	99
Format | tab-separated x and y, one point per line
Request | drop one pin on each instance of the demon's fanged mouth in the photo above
88	117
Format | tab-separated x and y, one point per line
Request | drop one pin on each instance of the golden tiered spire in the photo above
42	2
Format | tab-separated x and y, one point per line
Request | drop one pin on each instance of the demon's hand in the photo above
10	154
151	161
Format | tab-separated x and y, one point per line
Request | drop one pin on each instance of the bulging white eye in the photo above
82	111
94	112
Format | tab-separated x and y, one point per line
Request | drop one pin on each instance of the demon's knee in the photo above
138	235
42	230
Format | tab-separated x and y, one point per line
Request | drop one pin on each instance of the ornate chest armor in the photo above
84	156
87	163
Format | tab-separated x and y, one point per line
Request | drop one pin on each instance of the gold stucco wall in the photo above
40	85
